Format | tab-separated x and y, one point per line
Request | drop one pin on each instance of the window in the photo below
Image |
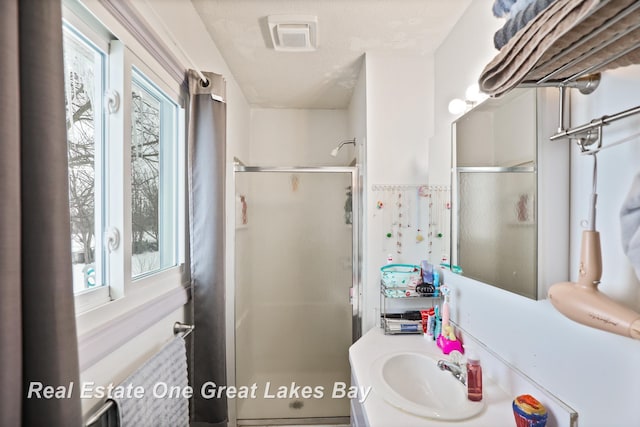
153	178
84	66
125	169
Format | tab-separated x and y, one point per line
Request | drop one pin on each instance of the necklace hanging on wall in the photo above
389	214
419	236
383	204
438	223
422	193
408	202
447	211
430	223
399	223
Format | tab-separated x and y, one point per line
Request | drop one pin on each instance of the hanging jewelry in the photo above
399	223
447	207
430	223
387	206
419	236
385	217
439	213
408	201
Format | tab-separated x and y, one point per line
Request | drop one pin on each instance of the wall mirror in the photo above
510	190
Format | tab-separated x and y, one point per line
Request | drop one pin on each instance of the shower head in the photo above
334	152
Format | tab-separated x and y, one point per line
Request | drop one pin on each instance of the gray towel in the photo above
502	7
168	366
518	21
630	224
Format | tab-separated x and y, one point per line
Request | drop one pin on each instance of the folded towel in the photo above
502	8
509	8
539	47
518	7
518	21
630	224
168	366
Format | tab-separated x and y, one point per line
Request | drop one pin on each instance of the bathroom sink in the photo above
414	383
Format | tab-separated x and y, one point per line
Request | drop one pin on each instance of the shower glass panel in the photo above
294	271
497	229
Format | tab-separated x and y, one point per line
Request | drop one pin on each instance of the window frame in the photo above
121	293
169	172
90	298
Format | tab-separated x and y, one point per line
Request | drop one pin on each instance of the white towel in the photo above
168	366
630	224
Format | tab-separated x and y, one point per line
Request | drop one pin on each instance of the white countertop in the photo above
375	344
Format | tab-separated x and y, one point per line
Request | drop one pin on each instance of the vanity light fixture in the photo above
473	96
458	106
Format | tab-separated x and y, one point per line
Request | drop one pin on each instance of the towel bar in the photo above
178	328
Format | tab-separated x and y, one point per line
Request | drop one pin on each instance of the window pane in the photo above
83	65
153	165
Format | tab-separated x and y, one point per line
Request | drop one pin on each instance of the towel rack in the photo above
590	133
548	79
179	329
605	43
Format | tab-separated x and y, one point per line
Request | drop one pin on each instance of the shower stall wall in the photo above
296	294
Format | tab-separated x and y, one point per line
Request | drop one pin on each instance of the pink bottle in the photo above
474	377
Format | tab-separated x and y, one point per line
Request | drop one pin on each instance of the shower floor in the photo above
278	407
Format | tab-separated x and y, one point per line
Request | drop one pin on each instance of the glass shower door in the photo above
294	271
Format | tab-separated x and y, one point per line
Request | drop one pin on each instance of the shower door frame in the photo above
355	296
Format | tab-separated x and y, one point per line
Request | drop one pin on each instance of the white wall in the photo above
296	137
189	32
593	371
458	63
399	112
357	116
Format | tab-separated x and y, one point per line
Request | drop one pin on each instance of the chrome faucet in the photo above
457	370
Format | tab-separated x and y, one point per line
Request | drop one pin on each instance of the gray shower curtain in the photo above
206	170
37	320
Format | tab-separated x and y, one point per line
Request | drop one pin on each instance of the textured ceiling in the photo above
346	29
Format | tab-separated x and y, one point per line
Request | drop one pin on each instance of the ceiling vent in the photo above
293	33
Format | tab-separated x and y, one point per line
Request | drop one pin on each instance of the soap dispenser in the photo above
474	376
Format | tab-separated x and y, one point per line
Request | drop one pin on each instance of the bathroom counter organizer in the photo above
404	293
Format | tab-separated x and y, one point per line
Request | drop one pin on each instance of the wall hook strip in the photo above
406	187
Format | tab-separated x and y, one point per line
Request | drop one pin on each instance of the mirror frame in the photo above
552	168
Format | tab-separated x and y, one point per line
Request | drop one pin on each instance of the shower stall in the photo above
296	299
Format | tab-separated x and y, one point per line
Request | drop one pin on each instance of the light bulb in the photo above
457	106
474	95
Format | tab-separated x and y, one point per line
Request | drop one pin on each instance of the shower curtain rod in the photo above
293	169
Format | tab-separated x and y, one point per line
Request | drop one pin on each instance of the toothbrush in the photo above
445	306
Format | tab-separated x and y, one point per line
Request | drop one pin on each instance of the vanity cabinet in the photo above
509	191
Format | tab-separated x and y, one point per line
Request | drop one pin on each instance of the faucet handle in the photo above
455	357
